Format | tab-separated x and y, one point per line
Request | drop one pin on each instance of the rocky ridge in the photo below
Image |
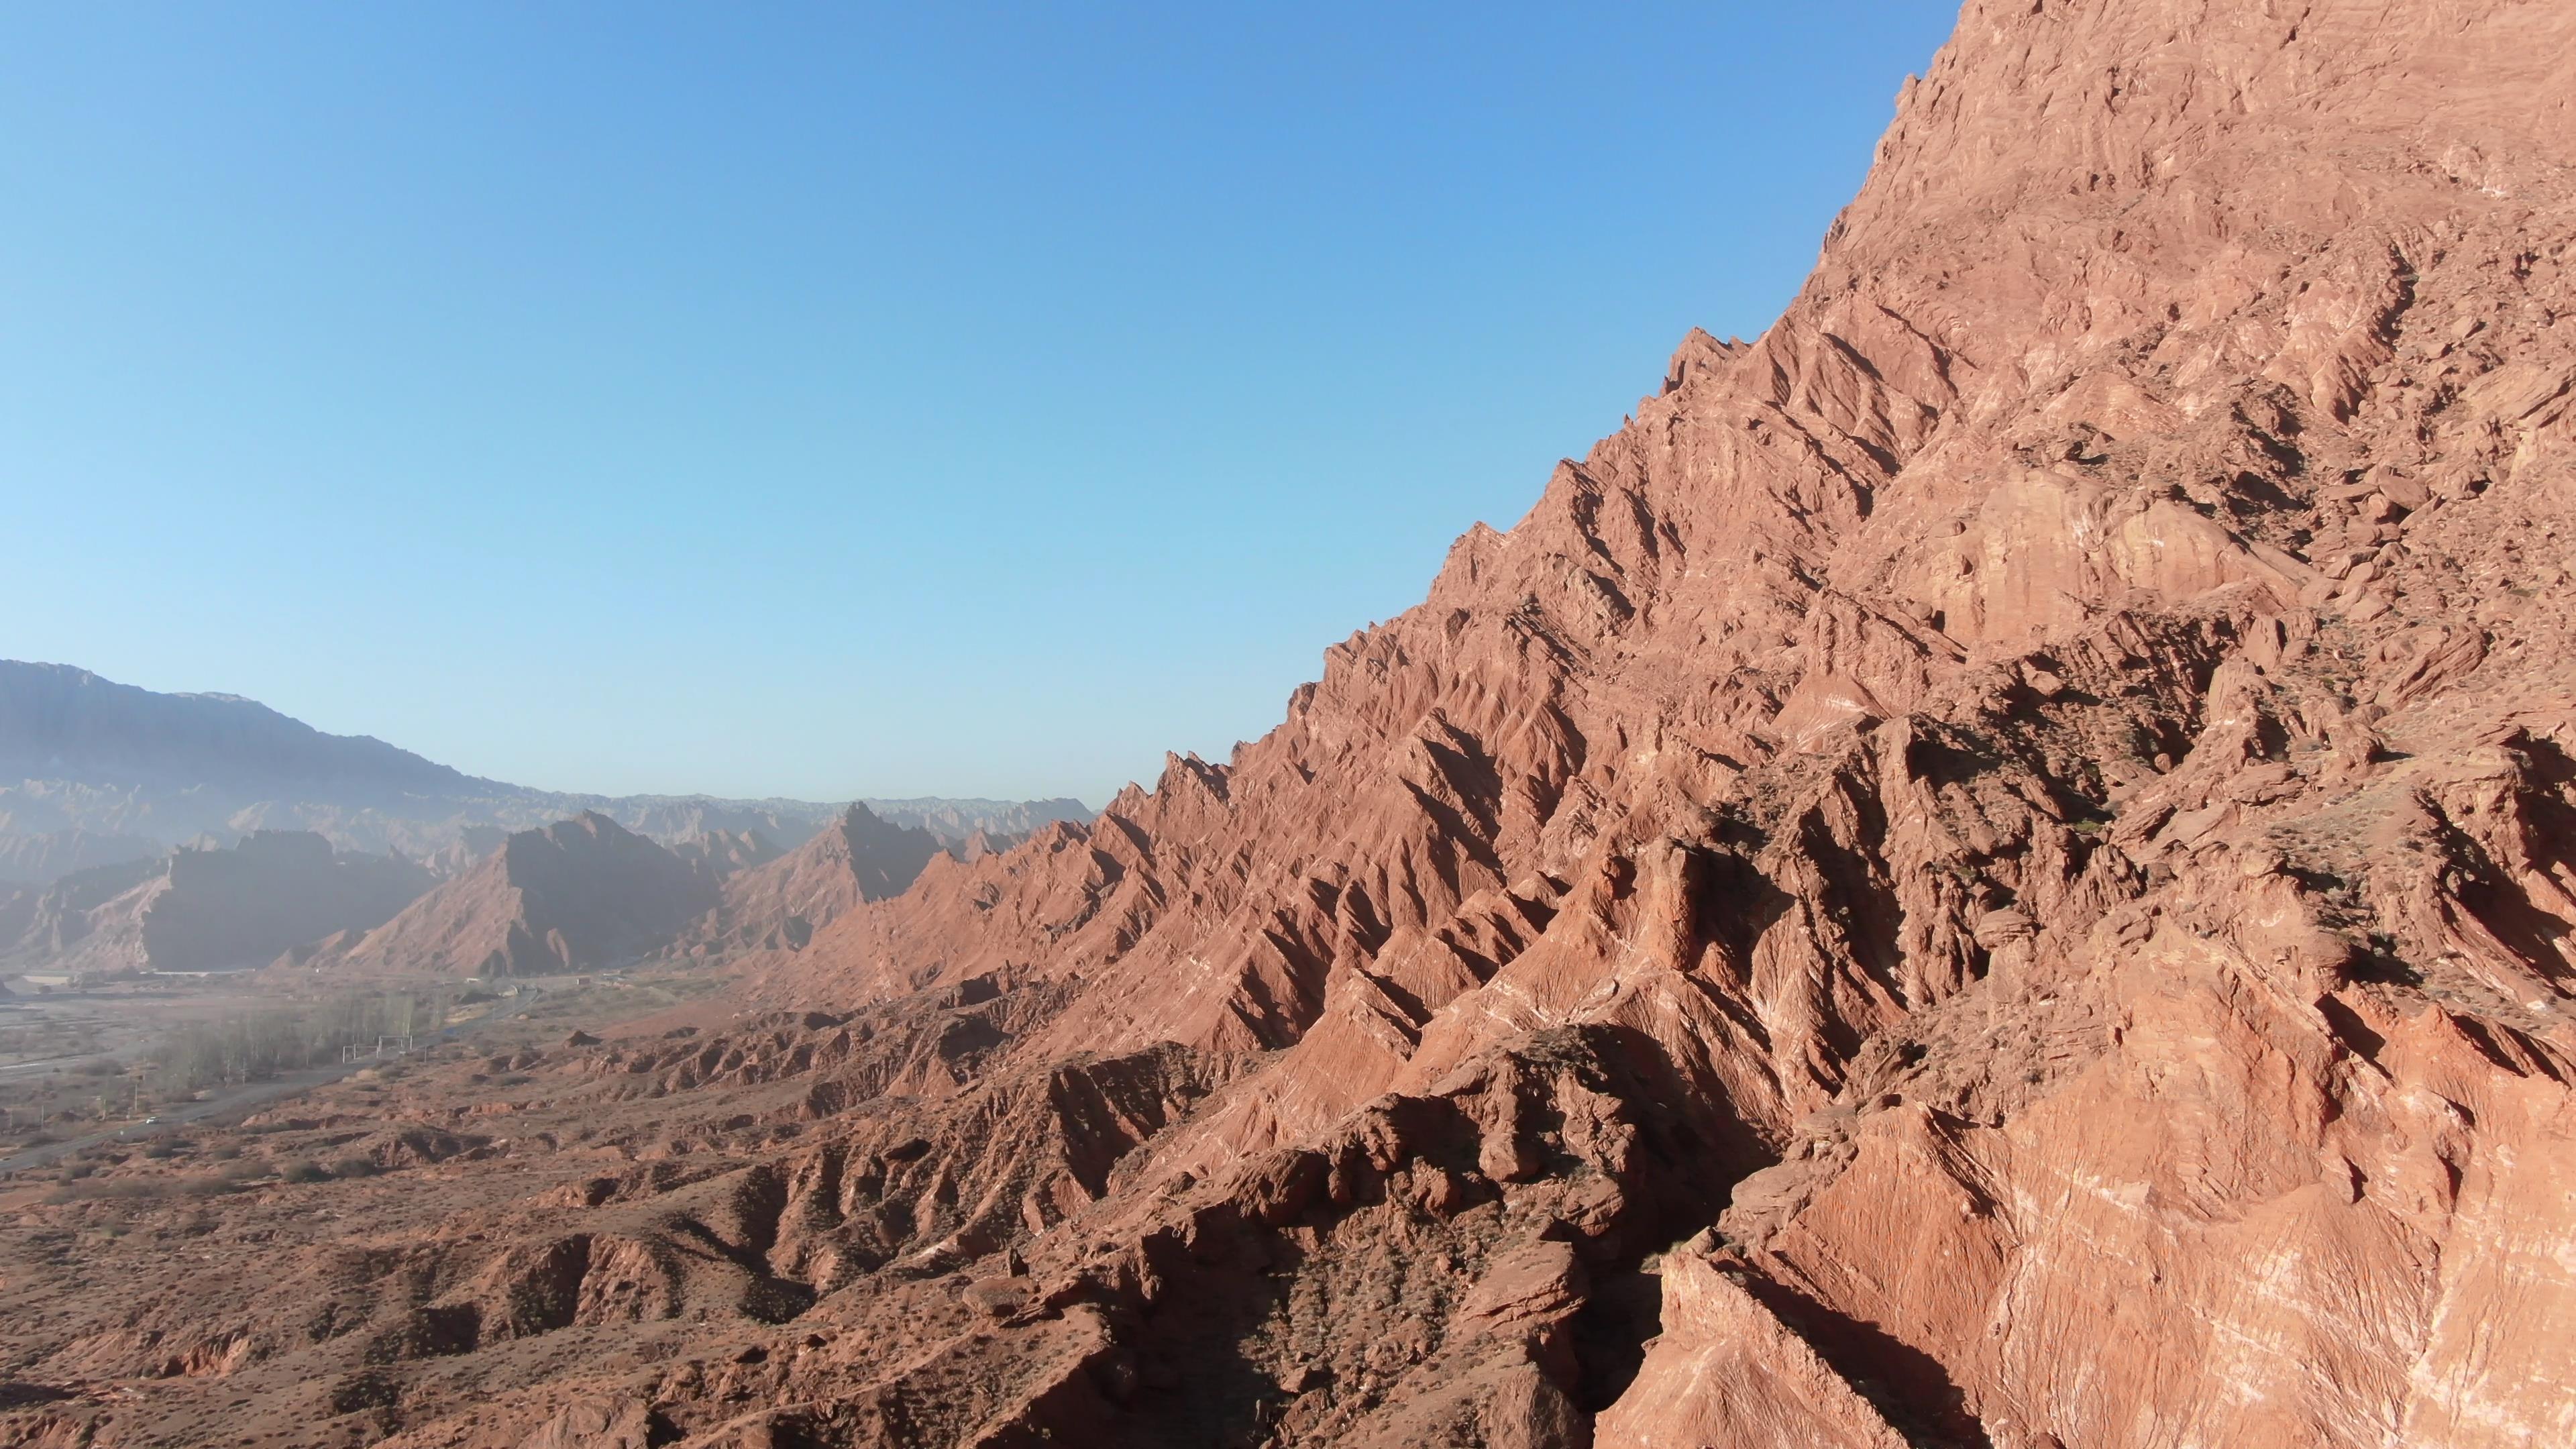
779	905
577	895
212	909
1996	868
956	822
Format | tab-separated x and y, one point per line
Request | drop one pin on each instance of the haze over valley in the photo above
146	834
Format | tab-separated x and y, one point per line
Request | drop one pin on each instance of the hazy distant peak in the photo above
92	770
60	721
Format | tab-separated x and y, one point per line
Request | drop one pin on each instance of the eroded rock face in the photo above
578	894
206	909
2061	748
1997	868
779	904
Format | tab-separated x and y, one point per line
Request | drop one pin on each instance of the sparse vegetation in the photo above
259	1045
147	1187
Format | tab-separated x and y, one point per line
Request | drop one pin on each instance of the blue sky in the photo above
839	400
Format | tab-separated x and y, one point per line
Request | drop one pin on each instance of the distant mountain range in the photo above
93	772
146	831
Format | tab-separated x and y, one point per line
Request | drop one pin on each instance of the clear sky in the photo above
827	400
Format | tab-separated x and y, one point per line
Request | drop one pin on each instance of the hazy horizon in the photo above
828	800
825	405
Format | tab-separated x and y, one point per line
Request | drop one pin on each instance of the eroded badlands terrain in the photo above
1995	868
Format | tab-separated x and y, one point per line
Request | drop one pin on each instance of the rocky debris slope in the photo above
576	895
206	909
1997	868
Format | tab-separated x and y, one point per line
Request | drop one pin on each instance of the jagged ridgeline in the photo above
1996	868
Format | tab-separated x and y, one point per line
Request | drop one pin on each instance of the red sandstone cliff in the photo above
1997	868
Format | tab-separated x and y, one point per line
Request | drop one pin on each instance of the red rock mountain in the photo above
1997	868
720	855
779	904
578	894
205	910
2025	810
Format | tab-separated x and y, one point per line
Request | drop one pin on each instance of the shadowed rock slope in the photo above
205	909
579	894
1996	868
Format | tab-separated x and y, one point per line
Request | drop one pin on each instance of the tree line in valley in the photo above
257	1045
